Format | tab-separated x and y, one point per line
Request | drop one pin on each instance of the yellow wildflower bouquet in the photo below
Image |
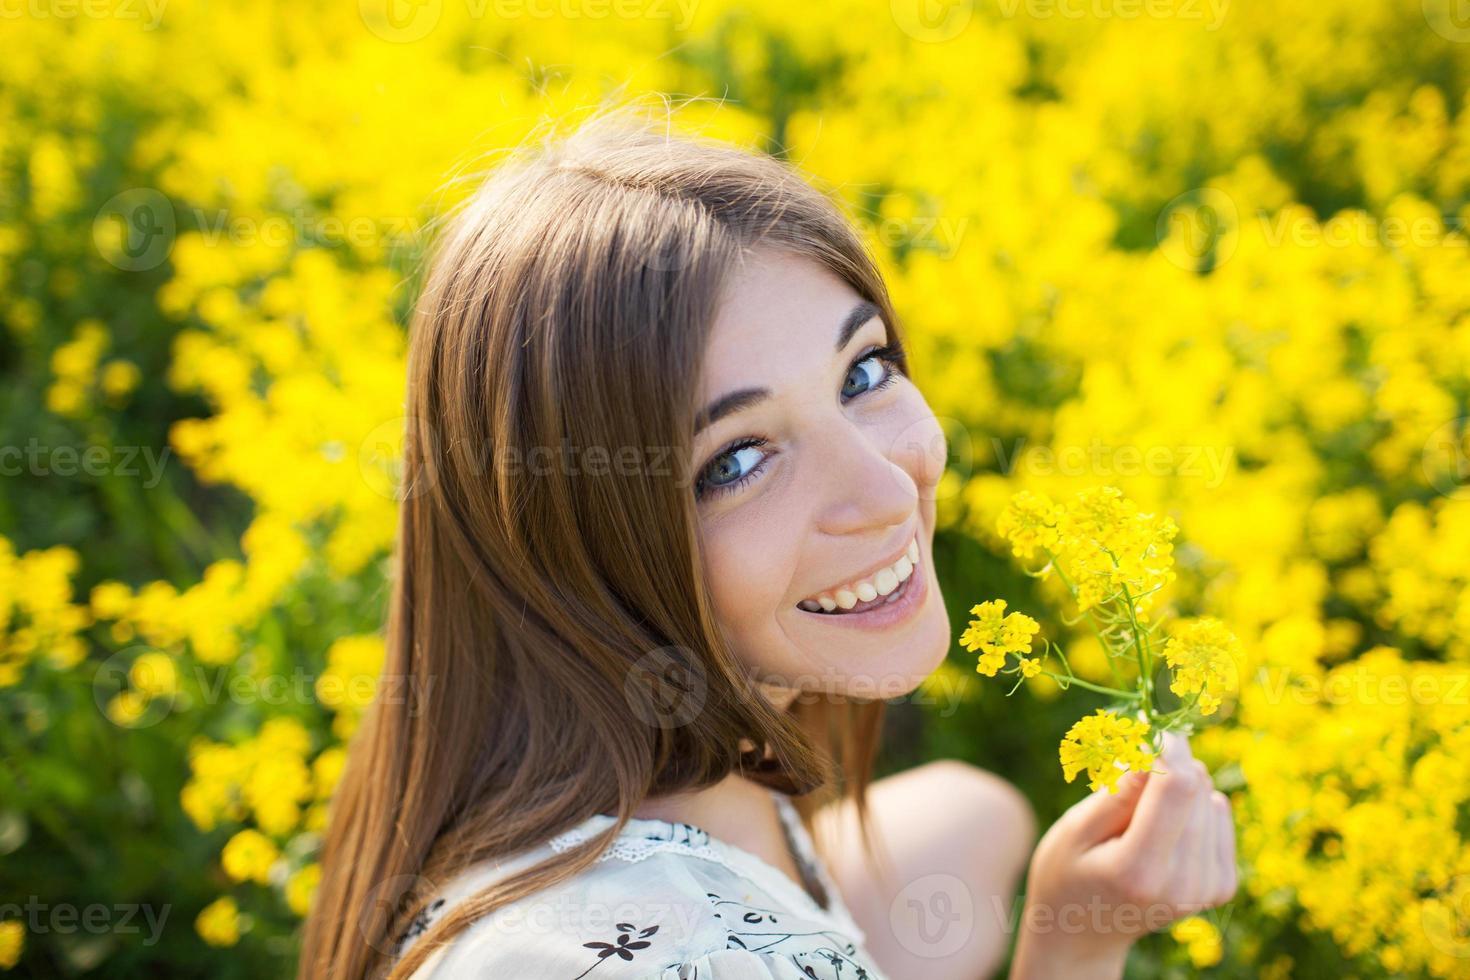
1112	559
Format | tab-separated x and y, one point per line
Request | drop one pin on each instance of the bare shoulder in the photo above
952	842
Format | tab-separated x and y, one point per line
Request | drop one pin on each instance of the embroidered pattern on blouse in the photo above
833	966
759	929
821	964
756	929
625	947
418	925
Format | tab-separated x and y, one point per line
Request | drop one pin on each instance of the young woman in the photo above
665	548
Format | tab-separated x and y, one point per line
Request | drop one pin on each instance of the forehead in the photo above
778	317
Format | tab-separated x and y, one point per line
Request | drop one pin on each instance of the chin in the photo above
919	659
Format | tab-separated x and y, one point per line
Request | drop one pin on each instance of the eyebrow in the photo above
737	401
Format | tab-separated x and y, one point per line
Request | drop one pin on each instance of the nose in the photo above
866	481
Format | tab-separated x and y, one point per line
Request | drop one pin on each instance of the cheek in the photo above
748	565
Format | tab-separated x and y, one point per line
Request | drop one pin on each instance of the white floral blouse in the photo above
665	902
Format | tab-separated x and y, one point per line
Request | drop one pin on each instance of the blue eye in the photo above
740	462
731	468
876	369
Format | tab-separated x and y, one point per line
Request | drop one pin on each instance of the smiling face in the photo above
815	475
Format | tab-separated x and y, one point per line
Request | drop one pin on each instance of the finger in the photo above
1103	815
1179	744
1225	844
1208	855
1194	860
1163	808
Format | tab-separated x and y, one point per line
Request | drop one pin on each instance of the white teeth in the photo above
883	582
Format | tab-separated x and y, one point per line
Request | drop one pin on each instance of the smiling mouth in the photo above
880	588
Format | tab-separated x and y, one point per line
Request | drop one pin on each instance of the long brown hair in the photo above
543	594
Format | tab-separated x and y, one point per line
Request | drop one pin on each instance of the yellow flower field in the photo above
1210	252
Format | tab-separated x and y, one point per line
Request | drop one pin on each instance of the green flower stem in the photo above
1071	675
1066	681
1145	670
1097	629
